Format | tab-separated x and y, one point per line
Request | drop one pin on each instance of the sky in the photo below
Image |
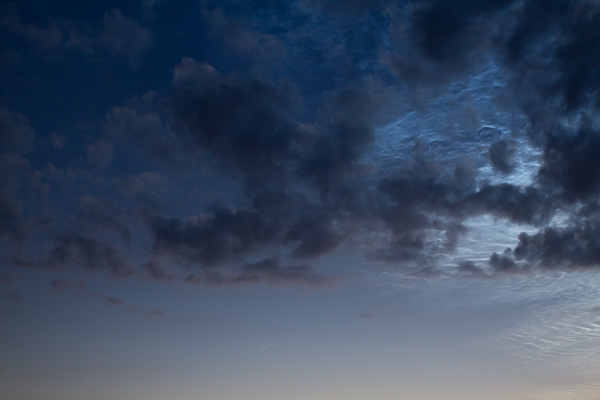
302	199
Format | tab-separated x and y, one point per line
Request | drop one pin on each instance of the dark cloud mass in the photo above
79	251
240	143
500	156
245	125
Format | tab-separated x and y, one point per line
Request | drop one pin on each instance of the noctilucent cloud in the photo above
300	200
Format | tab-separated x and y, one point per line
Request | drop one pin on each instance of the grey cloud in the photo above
12	295
100	154
437	40
469	268
313	236
571	161
241	39
308	186
14	171
246	125
250	127
212	240
271	270
518	204
351	9
10	210
140	126
16	134
156	272
421	197
347	131
155	312
500	154
124	35
42	37
5	279
110	300
103	215
71	249
61	285
570	247
503	262
118	34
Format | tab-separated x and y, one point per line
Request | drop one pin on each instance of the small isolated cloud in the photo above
11	295
153	313
5	280
110	300
62	285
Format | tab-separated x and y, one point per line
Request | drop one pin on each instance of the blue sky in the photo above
299	199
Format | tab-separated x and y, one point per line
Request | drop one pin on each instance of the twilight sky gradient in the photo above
300	200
